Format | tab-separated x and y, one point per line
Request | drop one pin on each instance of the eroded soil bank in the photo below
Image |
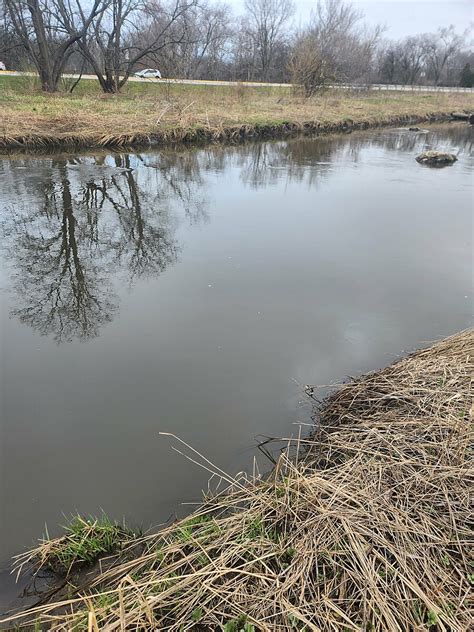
206	134
198	135
164	114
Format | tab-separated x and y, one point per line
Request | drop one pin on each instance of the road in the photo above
256	84
192	82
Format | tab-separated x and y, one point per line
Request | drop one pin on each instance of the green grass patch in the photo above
84	541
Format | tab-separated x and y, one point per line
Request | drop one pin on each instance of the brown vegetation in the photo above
166	113
369	531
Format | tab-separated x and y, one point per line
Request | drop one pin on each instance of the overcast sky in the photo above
402	17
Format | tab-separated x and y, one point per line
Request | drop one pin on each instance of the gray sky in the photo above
402	17
407	17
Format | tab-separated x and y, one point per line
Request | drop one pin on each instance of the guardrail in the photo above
401	88
256	84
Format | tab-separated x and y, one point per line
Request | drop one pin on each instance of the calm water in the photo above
194	292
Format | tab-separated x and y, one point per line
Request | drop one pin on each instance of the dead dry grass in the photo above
366	528
166	113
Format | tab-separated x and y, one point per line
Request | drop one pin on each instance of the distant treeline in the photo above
199	39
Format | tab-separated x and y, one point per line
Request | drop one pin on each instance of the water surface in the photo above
195	292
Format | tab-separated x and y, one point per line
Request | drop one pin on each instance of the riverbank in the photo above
362	527
162	114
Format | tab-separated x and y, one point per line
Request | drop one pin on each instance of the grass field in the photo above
175	112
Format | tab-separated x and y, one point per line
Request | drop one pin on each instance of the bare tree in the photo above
125	32
211	39
48	31
307	66
430	58
439	48
466	76
388	64
267	20
244	53
12	52
334	47
201	38
410	53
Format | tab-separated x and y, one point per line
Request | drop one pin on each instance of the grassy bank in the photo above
363	527
165	113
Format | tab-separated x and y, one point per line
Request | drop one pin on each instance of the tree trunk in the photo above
49	83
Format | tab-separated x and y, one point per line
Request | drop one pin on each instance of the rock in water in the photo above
436	158
460	116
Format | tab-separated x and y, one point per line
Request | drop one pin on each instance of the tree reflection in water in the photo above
87	220
84	220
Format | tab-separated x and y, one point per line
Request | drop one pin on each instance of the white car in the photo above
148	73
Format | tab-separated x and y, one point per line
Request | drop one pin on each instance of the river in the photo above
196	291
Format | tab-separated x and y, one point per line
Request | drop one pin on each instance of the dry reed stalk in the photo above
369	531
184	128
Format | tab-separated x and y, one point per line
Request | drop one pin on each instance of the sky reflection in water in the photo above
193	291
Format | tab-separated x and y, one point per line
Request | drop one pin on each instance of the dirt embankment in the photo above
205	134
163	115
